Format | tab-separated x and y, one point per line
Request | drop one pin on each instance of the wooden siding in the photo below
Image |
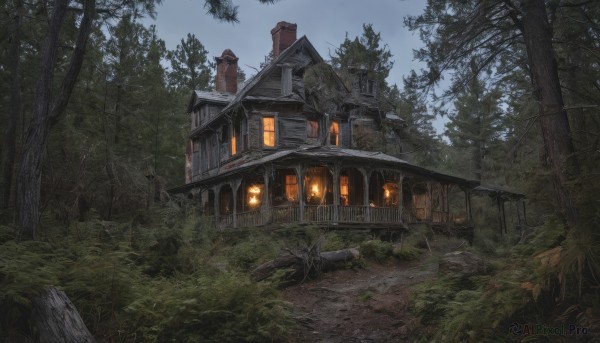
292	130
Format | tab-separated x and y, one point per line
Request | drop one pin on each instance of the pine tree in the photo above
190	64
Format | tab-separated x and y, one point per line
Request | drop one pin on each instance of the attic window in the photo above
334	133
312	129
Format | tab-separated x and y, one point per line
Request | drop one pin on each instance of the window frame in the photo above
338	133
262	127
308	131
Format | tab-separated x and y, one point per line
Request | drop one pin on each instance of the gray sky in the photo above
324	22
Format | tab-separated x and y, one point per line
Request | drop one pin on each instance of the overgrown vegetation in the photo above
167	280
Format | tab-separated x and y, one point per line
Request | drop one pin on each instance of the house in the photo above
288	147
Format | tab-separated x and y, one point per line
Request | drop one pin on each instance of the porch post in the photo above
266	206
300	179
468	205
447	200
335	170
429	208
400	195
217	205
235	185
366	174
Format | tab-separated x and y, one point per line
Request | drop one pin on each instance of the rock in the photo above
462	263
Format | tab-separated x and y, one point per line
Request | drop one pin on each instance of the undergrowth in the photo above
165	276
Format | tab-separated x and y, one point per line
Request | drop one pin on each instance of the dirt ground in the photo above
365	305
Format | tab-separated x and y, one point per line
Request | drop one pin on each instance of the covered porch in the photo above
335	194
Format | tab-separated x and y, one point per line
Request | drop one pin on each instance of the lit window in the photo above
269	132
344	189
233	145
334	134
312	129
291	188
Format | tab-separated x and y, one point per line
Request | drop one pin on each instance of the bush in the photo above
377	250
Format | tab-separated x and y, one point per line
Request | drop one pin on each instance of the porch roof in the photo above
323	154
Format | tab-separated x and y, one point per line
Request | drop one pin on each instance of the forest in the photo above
94	133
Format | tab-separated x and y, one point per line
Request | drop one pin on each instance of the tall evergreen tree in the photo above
366	52
497	32
475	124
190	65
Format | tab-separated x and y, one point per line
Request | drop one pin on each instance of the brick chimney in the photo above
284	35
226	80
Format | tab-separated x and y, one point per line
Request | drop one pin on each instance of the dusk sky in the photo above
324	22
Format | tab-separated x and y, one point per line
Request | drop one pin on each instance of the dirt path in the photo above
368	305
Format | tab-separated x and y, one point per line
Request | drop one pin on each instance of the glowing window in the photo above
334	134
312	129
269	132
233	145
291	188
344	189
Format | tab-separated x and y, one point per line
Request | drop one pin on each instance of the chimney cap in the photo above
227	56
284	25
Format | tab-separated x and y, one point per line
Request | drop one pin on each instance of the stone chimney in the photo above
226	80
284	35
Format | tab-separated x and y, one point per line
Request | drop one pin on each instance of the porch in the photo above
330	215
335	194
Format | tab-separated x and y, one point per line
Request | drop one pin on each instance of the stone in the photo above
462	263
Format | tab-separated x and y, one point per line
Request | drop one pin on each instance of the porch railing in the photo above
326	214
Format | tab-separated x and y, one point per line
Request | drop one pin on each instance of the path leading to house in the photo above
366	305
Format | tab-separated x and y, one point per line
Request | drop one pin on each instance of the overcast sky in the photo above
324	22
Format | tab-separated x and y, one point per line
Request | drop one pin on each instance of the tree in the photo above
14	109
49	105
475	123
497	33
190	64
366	52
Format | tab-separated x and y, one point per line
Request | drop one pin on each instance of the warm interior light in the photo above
314	189
386	193
253	195
253	200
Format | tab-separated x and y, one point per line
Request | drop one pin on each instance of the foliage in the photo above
191	68
377	250
157	278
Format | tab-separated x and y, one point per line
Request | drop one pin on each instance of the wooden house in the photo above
286	147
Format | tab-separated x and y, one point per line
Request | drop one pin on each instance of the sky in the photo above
324	22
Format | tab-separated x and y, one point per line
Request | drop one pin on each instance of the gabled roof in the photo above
199	97
255	81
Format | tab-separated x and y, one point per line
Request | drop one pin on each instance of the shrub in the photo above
376	249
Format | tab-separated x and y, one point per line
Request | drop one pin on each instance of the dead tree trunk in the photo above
54	319
301	266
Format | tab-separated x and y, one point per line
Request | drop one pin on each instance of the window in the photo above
291	188
334	134
235	132
269	132
344	189
312	129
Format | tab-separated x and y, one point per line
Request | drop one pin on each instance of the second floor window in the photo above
334	134
312	129
269	132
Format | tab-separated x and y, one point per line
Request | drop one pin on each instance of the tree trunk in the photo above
554	123
45	115
14	110
54	319
298	263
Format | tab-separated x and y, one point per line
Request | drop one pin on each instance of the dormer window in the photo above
269	132
334	133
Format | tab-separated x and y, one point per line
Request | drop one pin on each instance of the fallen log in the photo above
55	319
302	264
